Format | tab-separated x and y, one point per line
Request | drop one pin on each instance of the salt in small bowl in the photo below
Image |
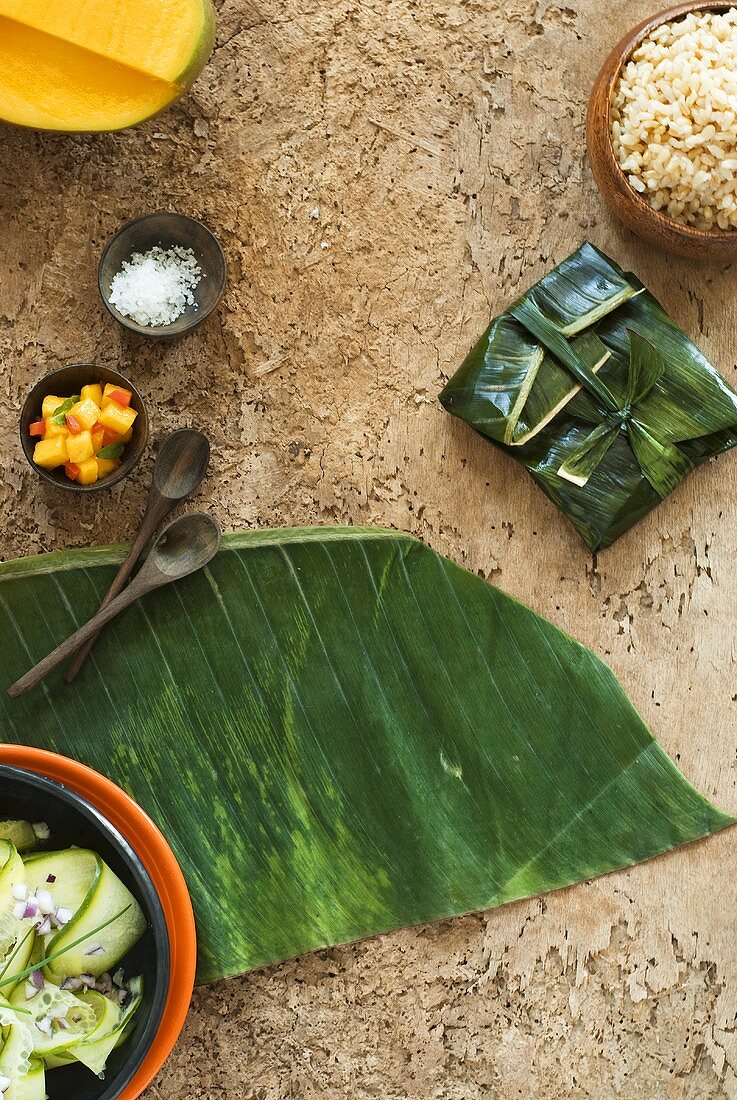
167	230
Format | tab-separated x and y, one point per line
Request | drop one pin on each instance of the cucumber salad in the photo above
66	921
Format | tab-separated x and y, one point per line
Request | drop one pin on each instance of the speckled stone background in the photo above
383	174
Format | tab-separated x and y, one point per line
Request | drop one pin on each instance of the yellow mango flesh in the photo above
106	466
156	37
50	405
86	413
117	419
92	393
98	64
88	473
50	453
79	447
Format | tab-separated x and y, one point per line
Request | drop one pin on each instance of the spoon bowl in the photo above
187	544
181	463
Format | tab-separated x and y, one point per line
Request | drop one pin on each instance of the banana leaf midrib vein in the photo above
341	733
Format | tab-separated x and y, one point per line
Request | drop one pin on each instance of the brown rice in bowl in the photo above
674	119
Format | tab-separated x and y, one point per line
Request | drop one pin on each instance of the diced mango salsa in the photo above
50	405
111	388
53	430
106	466
79	447
86	412
92	393
117	419
87	472
50	453
98	438
85	433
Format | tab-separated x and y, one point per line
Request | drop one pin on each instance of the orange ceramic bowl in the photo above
161	865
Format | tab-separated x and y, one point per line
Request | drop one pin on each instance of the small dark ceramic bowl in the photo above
167	230
73	820
63	383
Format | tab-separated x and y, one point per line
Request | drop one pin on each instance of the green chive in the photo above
57	954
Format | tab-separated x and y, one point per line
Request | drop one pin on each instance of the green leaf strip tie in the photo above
661	463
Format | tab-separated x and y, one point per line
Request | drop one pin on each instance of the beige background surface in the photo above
383	175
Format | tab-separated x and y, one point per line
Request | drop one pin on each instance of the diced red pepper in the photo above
109	437
120	397
38	429
73	424
72	470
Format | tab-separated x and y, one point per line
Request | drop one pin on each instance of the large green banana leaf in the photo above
341	732
520	387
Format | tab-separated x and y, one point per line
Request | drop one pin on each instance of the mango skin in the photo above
184	82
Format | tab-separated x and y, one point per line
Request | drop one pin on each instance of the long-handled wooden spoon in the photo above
180	466
186	545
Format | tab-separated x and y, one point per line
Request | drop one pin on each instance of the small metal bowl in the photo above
63	383
629	206
167	230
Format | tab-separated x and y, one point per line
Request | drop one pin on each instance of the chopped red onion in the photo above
19	891
19	910
31	909
63	1025
37	979
88	980
98	949
63	915
44	927
51	878
44	1025
31	991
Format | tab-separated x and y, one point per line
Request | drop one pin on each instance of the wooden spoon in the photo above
180	466
185	546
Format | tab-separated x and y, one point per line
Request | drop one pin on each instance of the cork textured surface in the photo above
385	174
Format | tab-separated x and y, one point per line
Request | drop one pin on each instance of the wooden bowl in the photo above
167	230
63	383
630	207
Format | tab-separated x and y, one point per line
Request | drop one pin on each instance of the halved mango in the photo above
98	64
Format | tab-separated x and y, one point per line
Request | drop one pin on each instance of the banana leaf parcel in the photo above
587	382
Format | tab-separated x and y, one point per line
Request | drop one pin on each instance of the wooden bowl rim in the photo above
611	70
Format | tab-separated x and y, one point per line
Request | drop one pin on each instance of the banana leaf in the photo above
553	383
341	733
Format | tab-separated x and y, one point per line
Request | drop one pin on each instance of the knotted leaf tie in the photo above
661	463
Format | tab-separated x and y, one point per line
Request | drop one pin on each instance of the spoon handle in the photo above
134	591
157	509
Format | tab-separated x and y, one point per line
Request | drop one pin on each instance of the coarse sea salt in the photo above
154	288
